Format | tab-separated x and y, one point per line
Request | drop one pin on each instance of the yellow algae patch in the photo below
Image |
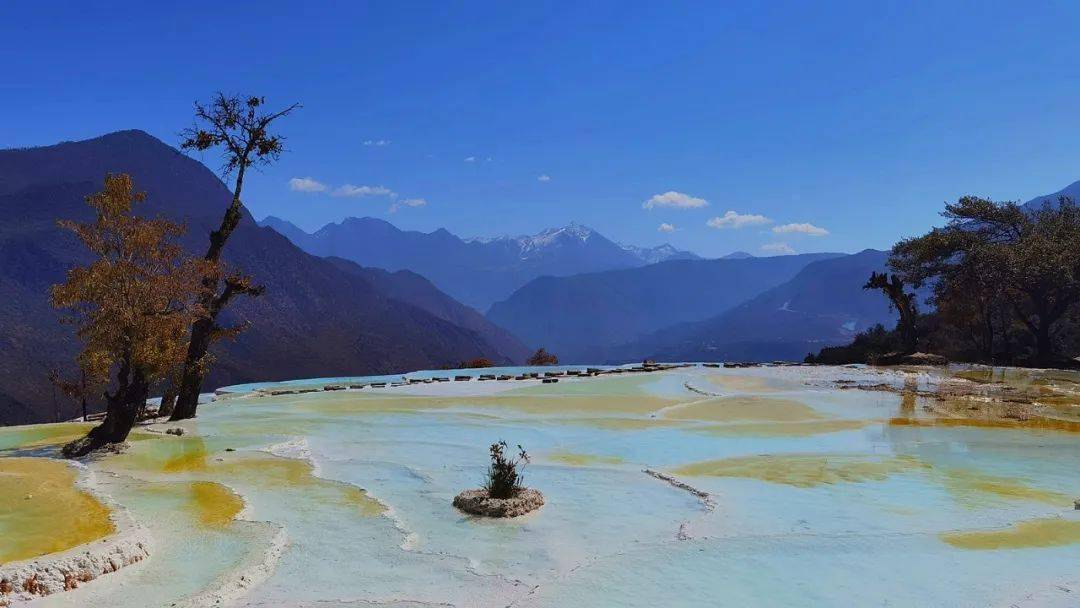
215	504
266	471
289	474
44	435
786	429
187	455
41	510
582	460
744	384
803	471
727	409
166	454
38	435
623	424
970	486
368	506
569	404
1037	423
526	402
339	402
1048	532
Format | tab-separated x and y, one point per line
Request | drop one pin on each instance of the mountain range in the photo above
583	317
477	271
824	304
319	317
361	296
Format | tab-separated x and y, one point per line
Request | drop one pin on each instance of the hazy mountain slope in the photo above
476	272
823	304
1072	191
315	319
582	316
410	287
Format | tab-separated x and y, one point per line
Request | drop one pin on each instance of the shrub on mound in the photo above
503	494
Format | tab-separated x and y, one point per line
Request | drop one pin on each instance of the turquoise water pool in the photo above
819	500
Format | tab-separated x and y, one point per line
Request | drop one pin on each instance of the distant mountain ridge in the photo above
318	317
1071	191
583	317
824	304
476	271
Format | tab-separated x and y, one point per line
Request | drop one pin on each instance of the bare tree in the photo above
239	127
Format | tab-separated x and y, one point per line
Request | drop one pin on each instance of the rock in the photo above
550	380
333	387
896	358
477	502
462	378
174	431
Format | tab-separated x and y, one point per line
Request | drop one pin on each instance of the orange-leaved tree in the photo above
132	304
542	357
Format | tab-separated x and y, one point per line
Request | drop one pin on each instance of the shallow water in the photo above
822	497
43	511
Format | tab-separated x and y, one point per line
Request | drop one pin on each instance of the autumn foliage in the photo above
543	357
132	304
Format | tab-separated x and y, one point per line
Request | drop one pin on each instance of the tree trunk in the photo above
168	399
1044	346
908	333
191	379
121	412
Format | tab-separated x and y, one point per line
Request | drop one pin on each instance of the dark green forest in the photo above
1002	283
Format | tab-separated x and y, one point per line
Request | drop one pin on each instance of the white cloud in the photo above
306	184
544	178
409	202
665	227
777	248
735	220
470	159
377	142
356	191
805	228
678	200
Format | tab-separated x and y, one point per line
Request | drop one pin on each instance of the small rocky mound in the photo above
478	502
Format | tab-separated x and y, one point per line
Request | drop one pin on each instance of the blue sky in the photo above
857	119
